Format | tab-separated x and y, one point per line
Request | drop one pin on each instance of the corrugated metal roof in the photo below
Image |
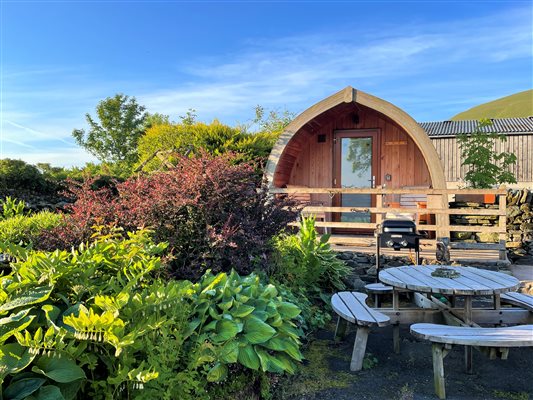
499	125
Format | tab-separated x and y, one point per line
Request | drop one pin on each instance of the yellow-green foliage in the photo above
22	228
214	138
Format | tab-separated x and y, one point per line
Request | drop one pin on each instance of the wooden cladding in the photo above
520	145
310	163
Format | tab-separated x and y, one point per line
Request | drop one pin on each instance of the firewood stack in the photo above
520	223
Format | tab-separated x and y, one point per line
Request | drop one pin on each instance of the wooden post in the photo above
438	370
502	200
359	348
497	301
468	349
379	204
442	219
396	338
340	330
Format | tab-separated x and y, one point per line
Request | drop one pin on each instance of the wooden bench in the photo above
444	336
518	299
378	289
352	307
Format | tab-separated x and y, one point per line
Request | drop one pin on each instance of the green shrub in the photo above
26	228
16	174
82	323
305	260
173	140
248	321
97	322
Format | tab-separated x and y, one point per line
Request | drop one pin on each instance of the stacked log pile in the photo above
520	223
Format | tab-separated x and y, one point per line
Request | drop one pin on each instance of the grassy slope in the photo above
516	105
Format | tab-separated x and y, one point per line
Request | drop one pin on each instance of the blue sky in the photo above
222	58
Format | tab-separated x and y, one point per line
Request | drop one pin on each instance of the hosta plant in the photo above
248	322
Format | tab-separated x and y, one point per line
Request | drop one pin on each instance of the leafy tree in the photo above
16	174
273	122
114	138
486	166
189	118
155	119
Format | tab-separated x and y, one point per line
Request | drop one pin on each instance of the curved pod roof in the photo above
351	95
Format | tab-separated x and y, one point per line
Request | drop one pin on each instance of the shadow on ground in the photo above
405	376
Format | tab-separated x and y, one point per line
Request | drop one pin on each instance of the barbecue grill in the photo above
397	234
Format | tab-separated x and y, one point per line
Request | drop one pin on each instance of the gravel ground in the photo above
409	375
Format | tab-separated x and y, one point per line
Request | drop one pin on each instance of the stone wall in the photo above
519	223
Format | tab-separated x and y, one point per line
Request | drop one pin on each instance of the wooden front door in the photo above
356	165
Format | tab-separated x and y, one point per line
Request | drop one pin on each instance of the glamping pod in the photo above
349	141
377	141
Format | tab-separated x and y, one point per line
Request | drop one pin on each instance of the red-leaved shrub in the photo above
213	213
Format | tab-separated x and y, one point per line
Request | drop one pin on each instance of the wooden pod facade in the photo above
338	136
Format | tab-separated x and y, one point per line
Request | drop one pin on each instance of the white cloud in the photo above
291	71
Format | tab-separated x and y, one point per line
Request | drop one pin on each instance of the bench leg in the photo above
469	367
438	370
340	330
396	338
359	348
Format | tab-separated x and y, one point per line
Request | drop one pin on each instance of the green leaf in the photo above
262	315
225	305
70	390
277	343
287	363
49	392
248	357
14	323
62	370
288	310
293	351
242	311
218	373
269	292
52	313
32	296
225	330
23	388
191	327
256	331
14	358
263	358
230	352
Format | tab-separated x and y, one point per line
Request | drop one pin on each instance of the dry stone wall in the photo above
519	223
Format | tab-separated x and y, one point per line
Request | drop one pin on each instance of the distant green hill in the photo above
516	105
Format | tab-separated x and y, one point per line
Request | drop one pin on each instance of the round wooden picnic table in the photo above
469	283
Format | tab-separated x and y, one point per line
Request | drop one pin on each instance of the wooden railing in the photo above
437	205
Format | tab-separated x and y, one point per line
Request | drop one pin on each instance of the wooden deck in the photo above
367	245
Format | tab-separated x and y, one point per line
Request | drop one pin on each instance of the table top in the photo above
472	281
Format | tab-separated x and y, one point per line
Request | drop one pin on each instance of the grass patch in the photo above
315	375
511	395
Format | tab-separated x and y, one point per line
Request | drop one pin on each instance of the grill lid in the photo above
398	225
